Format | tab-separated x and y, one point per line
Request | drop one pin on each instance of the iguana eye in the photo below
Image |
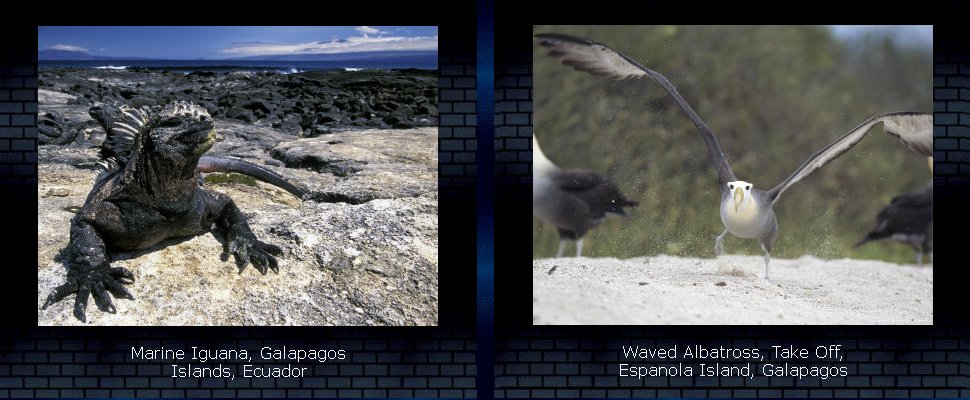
170	122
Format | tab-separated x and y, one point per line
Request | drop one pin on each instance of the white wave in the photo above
348	69
112	67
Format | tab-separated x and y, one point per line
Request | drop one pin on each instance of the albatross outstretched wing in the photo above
915	130
598	59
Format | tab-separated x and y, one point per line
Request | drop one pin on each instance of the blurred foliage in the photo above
773	95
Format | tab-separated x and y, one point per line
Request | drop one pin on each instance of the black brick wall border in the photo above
18	115
951	105
513	118
458	117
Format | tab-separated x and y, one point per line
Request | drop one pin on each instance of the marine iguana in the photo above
117	145
148	192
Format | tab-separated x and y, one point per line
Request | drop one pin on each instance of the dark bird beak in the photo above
623	203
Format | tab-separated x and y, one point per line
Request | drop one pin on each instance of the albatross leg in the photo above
919	253
767	259
579	247
719	244
562	246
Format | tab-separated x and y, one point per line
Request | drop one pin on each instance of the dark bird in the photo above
908	219
574	201
745	211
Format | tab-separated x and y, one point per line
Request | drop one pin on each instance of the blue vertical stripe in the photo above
485	196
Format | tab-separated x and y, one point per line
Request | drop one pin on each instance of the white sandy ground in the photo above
730	290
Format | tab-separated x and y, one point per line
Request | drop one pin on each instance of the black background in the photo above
929	361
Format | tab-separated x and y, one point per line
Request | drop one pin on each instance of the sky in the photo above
216	42
915	35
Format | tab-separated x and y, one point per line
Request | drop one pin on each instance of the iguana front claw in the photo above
250	250
97	283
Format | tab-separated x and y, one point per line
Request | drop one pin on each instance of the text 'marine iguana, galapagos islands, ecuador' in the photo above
148	192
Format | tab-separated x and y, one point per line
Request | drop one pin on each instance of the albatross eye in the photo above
749	187
731	186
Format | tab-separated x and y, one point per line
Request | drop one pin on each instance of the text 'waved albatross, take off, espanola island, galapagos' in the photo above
745	211
574	201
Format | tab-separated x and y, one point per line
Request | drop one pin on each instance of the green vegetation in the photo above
228	178
773	95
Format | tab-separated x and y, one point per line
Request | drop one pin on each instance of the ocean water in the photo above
284	67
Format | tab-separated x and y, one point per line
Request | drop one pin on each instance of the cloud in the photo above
366	30
67	47
349	45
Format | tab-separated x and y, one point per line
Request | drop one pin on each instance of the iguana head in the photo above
183	127
176	137
170	139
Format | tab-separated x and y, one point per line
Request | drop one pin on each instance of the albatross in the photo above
908	219
575	201
746	211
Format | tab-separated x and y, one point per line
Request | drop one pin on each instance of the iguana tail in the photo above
221	164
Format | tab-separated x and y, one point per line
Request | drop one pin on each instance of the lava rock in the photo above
241	114
53	128
139	101
335	100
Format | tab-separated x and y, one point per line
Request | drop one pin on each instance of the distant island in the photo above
73	55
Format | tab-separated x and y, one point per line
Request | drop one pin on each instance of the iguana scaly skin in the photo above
148	192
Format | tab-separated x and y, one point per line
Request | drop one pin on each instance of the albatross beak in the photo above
738	197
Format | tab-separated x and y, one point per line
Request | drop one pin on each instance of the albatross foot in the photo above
719	244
